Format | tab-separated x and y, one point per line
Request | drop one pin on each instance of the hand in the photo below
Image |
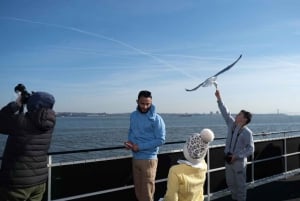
233	158
18	100
128	145
218	95
135	148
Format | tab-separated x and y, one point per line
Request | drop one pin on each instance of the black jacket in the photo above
24	162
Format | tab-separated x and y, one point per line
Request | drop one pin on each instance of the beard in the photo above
141	111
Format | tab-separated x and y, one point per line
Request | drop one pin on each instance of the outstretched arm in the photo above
223	109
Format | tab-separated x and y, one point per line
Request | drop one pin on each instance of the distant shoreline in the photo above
88	114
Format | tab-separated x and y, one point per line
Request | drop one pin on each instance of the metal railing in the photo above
210	195
282	136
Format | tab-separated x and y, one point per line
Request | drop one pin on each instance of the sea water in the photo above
110	130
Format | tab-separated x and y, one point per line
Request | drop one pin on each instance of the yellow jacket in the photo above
185	183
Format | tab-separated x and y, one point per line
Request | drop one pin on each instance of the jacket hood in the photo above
40	100
151	113
43	119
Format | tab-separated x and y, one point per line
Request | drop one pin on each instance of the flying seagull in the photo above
212	80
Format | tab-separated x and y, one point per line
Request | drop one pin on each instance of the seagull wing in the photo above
195	87
208	82
228	67
215	76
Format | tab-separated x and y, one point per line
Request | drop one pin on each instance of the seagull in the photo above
212	80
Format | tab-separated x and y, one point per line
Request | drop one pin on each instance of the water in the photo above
73	133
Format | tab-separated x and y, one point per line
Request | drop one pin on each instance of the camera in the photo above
20	88
228	157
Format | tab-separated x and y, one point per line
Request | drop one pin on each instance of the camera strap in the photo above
236	139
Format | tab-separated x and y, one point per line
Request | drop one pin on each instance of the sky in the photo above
96	55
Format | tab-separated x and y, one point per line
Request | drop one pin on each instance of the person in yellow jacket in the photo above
186	179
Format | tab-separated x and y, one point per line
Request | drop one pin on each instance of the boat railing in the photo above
276	156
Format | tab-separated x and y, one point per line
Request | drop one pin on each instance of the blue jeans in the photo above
236	179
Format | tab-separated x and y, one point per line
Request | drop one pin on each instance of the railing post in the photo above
49	177
208	175
285	154
252	169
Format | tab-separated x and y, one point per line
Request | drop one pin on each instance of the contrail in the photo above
102	37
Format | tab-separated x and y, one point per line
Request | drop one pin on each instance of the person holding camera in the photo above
24	170
239	145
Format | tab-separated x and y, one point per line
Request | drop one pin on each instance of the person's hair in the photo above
247	115
144	93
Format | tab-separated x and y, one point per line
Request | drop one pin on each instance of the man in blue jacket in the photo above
146	133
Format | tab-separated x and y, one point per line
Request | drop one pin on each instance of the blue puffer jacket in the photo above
24	162
148	131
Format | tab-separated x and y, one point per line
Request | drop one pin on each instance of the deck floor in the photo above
281	190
